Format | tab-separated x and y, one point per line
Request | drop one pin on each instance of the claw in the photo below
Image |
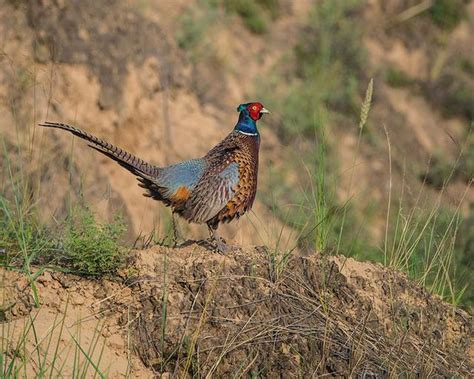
222	247
219	244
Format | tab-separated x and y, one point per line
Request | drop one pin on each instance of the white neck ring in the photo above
247	134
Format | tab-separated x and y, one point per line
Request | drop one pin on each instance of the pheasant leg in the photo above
177	234
219	242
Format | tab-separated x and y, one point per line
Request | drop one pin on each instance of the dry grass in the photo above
312	320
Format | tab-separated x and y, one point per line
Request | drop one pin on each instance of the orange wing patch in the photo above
181	194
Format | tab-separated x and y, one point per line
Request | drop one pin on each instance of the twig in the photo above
411	12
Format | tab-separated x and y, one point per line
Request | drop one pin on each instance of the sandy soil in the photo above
189	311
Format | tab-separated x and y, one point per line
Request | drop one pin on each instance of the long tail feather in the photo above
130	162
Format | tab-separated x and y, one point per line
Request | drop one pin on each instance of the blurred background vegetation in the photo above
162	80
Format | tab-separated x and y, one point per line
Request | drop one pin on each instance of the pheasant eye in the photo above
254	108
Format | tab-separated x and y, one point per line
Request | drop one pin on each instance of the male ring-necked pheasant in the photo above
216	188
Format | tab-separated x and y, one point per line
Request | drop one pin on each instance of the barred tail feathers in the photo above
132	163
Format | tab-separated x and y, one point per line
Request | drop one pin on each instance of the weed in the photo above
80	243
447	13
466	65
396	78
453	93
255	14
91	247
194	25
443	170
439	172
465	170
23	239
424	246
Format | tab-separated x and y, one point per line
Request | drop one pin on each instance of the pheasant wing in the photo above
215	189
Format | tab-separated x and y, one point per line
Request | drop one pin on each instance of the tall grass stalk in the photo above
321	203
422	242
164	308
364	114
389	200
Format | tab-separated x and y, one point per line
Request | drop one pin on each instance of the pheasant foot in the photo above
218	243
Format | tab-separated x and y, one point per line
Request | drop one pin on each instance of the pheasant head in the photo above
250	113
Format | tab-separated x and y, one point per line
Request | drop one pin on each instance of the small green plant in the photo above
452	91
447	13
465	169
440	172
443	170
23	239
194	25
396	78
466	65
91	247
254	13
249	11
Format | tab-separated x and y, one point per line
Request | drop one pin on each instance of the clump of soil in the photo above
190	312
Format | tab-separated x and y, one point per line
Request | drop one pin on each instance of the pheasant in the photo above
214	189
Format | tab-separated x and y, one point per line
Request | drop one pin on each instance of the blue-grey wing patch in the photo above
185	174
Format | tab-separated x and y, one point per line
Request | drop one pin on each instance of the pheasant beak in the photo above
264	110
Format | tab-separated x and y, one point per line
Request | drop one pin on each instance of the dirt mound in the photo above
190	312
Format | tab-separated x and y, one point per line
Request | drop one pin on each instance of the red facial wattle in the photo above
254	111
